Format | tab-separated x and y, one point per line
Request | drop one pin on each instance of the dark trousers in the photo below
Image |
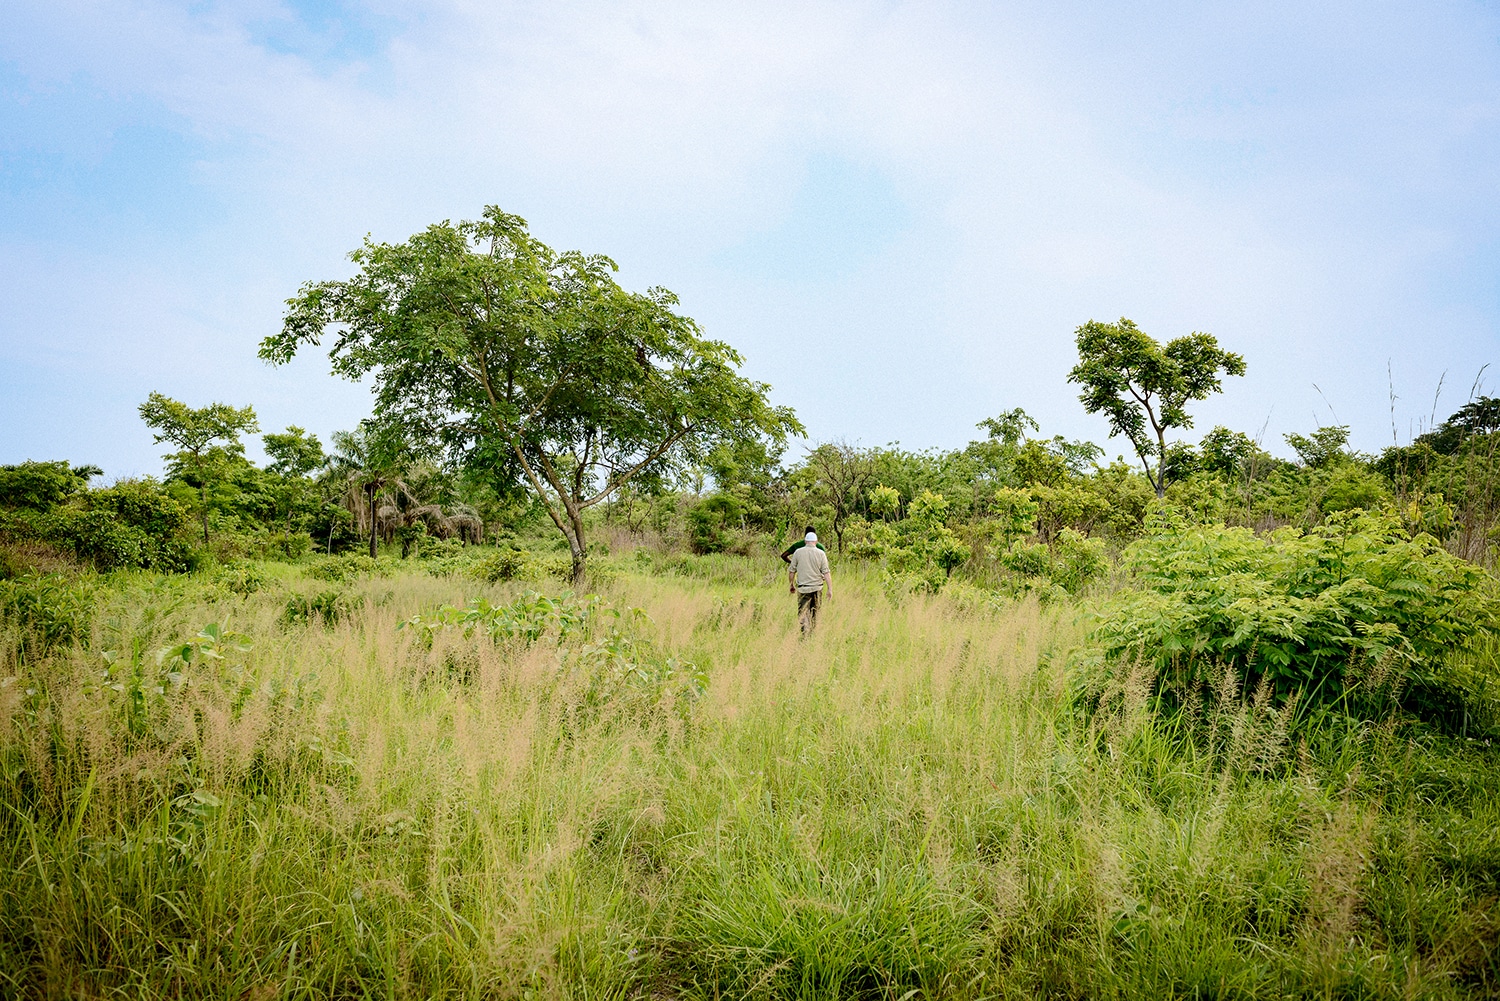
807	609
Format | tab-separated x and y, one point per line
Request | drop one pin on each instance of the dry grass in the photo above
908	804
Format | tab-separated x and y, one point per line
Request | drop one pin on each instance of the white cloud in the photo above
1312	186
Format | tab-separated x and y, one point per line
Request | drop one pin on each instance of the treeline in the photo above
1009	508
215	505
991	504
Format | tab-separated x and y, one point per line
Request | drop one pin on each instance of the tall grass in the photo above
907	805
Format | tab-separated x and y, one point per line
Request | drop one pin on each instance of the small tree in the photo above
842	471
1227	453
205	438
483	339
1324	448
294	455
1144	387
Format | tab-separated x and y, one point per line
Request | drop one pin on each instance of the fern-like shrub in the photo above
1333	613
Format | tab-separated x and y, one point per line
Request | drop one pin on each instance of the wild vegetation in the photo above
501	694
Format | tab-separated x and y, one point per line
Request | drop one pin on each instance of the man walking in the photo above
786	556
807	572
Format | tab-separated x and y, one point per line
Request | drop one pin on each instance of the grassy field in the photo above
699	805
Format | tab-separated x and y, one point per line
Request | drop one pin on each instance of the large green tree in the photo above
1144	387
207	440
481	338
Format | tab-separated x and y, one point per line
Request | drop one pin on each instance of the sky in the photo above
899	213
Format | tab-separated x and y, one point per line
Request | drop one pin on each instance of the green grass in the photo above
906	806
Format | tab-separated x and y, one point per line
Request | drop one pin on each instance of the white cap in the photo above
810	537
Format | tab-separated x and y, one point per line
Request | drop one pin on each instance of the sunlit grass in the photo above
909	804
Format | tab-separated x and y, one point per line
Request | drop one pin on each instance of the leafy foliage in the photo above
485	340
1144	387
1320	612
920	551
39	486
713	524
328	606
48	611
207	439
614	659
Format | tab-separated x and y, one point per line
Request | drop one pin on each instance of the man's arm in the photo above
828	580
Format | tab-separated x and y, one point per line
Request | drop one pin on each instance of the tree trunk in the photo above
577	548
203	506
370	490
1161	463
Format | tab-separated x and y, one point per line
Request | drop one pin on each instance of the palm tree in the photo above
391	493
416	502
364	462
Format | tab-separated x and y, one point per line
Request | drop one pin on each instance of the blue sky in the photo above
897	212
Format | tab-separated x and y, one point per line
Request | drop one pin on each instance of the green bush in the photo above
40	486
278	545
1078	561
1352	486
341	569
100	538
142	504
1029	559
243	579
1070	564
920	552
1327	612
49	610
329	606
507	564
134	524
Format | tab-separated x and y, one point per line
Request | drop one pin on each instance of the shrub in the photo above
100	538
1352	486
243	579
40	485
444	561
507	564
277	545
1078	561
920	552
1320	612
341	569
1015	512
1029	559
599	646
49	610
142	504
330	606
132	524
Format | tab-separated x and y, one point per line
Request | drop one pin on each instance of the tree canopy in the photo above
482	339
205	438
1144	387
